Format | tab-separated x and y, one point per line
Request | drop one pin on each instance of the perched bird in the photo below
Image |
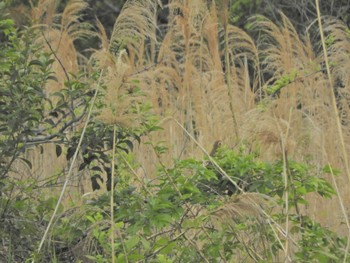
216	145
212	153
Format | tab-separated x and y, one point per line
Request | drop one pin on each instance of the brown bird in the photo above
216	145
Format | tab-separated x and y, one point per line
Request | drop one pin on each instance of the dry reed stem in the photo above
112	194
334	103
341	203
286	197
283	139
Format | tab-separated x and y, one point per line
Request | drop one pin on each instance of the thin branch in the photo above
145	69
40	139
55	55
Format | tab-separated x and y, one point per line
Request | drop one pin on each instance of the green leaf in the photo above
82	166
132	242
129	144
119	225
27	162
163	259
146	244
70	153
35	63
121	258
58	150
58	94
169	248
162	219
96	168
330	170
325	256
51	77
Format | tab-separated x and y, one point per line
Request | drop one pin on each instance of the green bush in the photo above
191	213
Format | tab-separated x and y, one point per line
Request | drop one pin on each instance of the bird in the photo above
216	146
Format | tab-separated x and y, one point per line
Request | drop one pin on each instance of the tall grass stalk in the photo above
283	140
336	113
341	203
286	186
334	102
286	196
112	193
228	66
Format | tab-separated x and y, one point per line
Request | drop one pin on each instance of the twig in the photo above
144	69
55	55
51	136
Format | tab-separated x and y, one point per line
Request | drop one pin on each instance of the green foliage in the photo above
319	244
24	70
31	117
266	178
23	213
167	219
190	212
282	82
329	41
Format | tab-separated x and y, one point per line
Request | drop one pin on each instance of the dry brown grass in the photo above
208	76
58	32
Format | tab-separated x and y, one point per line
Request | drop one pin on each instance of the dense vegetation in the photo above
105	131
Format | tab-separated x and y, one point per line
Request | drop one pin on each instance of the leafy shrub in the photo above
191	214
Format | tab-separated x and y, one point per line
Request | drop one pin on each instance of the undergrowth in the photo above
127	131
